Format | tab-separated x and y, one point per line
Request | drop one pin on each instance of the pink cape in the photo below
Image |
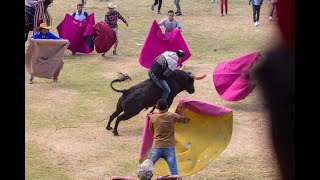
156	43
230	77
104	37
79	33
196	106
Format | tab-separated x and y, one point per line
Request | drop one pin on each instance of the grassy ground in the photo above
83	99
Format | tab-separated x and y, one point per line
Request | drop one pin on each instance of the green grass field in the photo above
65	127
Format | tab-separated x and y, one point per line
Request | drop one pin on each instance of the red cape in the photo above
104	37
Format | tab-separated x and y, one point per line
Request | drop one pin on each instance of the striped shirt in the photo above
111	19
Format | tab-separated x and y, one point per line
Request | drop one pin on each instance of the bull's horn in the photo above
199	77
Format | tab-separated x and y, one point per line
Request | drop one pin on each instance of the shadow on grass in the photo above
133	132
246	107
68	55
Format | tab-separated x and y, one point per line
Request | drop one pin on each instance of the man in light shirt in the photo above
80	14
170	23
162	67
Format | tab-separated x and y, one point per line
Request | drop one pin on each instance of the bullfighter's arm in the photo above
182	119
122	19
181	114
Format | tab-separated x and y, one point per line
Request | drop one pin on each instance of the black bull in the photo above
147	93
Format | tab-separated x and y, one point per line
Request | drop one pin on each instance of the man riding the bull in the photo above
162	67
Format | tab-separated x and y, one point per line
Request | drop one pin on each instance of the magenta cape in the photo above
156	43
104	37
230	77
79	33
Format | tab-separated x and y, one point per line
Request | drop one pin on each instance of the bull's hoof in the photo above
109	128
115	133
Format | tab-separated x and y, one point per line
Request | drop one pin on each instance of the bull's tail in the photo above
123	77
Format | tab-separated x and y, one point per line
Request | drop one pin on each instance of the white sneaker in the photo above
256	23
270	18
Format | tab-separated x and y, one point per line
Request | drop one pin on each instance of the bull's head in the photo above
192	78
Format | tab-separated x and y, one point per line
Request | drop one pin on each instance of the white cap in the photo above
112	6
146	169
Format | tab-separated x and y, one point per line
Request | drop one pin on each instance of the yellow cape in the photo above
198	142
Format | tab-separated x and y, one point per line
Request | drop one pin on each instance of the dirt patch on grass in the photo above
46	95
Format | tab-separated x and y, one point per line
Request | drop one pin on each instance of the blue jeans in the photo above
167	154
162	84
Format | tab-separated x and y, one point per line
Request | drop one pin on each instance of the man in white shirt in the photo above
80	14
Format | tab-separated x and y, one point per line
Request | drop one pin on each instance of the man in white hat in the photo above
111	19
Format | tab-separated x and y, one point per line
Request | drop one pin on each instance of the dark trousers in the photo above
177	3
156	2
256	12
83	1
225	3
272	9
